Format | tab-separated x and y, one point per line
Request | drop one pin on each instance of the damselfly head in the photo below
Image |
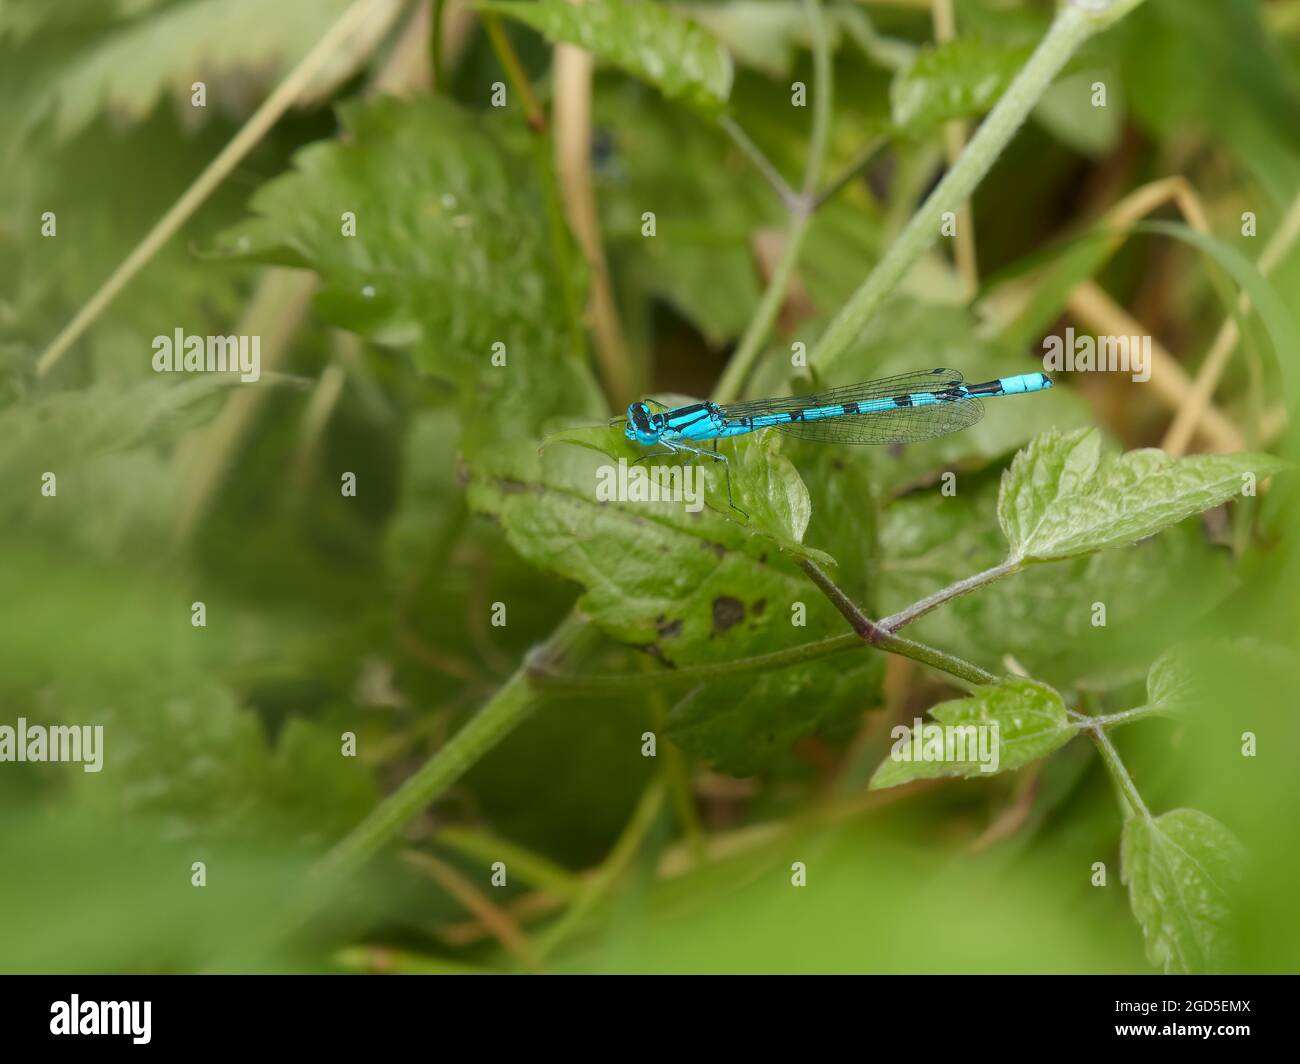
641	426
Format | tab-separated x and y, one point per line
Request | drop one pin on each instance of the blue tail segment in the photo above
1024	383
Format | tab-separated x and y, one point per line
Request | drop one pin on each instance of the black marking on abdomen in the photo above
851	408
903	400
680	418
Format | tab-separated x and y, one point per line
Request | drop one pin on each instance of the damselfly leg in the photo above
677	445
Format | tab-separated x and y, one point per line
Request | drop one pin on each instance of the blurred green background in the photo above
372	614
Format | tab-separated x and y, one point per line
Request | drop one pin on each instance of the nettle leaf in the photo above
742	725
1180	869
451	255
1061	497
1030	719
647	40
961	78
1043	616
689	588
764	484
230	43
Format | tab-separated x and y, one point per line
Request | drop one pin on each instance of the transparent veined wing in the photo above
902	424
927	380
906	424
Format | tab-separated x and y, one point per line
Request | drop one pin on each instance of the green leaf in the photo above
743	725
999	728
1169	684
688	588
429	504
649	41
961	78
1062	497
451	256
229	44
1067	112
1180	869
1043	616
181	748
764	34
23	19
765	485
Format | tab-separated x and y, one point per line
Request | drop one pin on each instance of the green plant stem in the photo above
751	343
554	684
866	633
532	868
1127	717
388	961
905	617
823	100
1073	24
936	659
760	326
543	154
859	163
761	162
610	871
509	60
507	708
874	635
1127	788
677	774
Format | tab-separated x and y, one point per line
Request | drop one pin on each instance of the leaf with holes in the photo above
690	588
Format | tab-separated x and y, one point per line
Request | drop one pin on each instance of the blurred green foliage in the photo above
371	613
